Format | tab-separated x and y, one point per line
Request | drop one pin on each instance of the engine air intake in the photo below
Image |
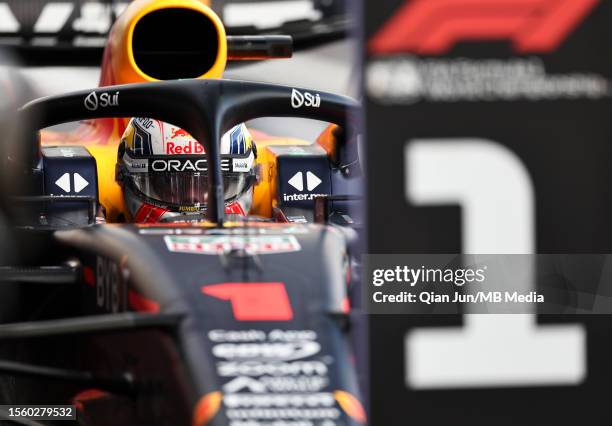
175	43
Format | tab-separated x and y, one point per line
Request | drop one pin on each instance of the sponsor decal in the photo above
291	335
301	181
184	147
254	301
281	385
276	335
67	152
79	183
190	209
92	102
278	351
237	335
108	282
297	219
178	132
261	346
294	384
64	182
434	27
297	181
243	164
275	377
176	165
301	197
271	369
299	99
170	231
185	165
107	99
136	165
145	123
279	416
252	230
216	244
242	383
323	399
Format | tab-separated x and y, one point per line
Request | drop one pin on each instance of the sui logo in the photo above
92	103
299	99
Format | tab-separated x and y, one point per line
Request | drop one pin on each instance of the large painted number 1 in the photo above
495	192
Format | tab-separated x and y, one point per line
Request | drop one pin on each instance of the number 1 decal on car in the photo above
254	301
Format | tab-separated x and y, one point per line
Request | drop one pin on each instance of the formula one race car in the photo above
222	321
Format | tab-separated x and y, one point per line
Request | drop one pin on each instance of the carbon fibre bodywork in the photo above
296	361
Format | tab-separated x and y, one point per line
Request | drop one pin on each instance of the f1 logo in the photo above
435	26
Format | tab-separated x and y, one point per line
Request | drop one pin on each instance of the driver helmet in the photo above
163	171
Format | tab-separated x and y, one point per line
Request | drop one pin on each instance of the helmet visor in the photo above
186	189
182	181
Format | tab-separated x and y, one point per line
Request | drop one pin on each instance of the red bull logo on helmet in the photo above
184	147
